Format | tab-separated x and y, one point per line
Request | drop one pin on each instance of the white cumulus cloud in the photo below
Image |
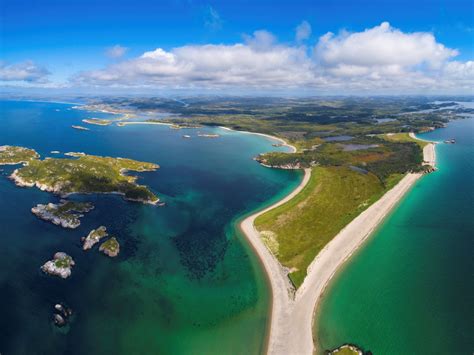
26	71
383	48
381	59
260	61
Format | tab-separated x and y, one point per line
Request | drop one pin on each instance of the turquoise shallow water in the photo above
410	289
185	282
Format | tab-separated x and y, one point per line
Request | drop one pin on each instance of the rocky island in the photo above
94	237
208	135
11	155
81	128
83	174
110	247
66	214
348	349
60	265
97	121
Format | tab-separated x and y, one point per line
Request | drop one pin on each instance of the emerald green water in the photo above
185	282
410	289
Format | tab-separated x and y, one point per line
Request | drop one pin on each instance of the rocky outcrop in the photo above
110	247
209	135
347	349
94	237
59	320
65	214
289	166
61	265
61	314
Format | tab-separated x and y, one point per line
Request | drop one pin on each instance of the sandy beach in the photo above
429	151
292	314
282	141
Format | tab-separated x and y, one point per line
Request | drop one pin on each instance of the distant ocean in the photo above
410	289
185	280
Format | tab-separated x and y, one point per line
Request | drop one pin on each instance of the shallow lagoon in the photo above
184	281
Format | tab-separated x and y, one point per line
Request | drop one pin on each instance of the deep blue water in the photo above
184	282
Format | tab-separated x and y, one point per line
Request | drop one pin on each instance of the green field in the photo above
403	137
298	230
16	155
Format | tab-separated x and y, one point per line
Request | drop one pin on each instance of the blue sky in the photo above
65	38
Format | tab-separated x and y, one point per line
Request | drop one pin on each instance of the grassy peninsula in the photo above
86	174
297	231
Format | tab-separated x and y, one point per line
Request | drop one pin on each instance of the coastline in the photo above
292	314
282	141
145	123
281	289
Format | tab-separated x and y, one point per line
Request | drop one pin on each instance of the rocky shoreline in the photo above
57	189
67	214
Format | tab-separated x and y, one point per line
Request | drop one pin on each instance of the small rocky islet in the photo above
61	314
66	214
94	237
60	265
348	349
81	174
110	247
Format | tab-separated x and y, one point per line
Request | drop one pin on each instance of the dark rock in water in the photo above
59	320
67	311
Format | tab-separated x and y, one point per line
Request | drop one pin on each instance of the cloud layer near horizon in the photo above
25	71
381	59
